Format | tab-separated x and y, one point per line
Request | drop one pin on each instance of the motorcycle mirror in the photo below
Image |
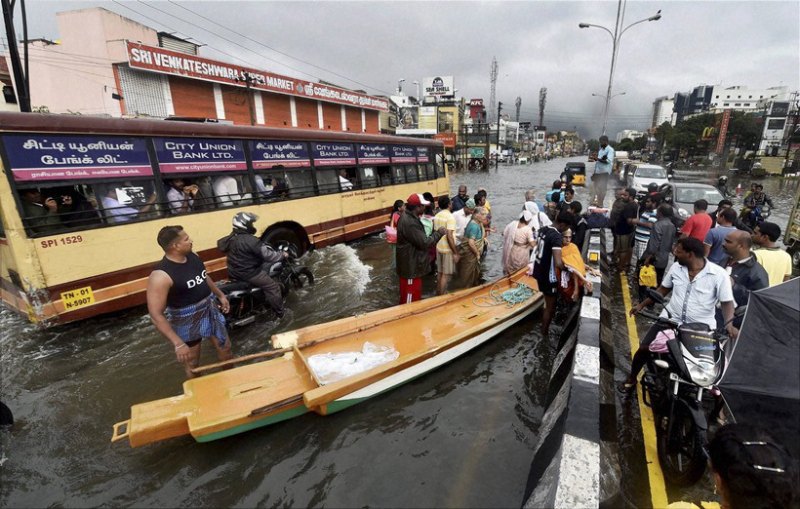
657	297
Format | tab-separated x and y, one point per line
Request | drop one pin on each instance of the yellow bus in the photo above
83	198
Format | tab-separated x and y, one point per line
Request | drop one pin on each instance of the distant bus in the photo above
115	183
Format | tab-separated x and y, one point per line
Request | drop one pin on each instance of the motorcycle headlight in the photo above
683	213
703	372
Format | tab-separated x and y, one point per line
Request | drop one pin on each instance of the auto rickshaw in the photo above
575	174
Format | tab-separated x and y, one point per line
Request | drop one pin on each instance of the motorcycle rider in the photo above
249	259
696	285
754	204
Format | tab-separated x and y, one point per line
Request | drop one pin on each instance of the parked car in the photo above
682	195
642	175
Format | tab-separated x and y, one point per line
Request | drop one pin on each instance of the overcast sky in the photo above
537	44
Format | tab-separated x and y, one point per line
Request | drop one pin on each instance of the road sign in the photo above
476	152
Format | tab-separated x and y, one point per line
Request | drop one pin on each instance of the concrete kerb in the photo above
566	467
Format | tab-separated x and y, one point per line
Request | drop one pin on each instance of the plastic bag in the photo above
391	234
332	367
659	345
647	276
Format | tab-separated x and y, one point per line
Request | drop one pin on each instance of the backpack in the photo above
596	220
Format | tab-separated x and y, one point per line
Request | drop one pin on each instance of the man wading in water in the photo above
180	303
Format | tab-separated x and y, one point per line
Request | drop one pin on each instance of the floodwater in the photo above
462	436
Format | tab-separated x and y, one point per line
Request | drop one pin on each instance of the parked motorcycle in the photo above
680	385
248	302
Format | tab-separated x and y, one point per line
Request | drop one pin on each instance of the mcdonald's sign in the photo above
708	133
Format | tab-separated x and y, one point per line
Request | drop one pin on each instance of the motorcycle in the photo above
680	385
752	217
247	301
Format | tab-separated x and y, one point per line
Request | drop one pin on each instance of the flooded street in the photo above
461	436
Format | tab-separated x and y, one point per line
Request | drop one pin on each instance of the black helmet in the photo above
244	221
652	187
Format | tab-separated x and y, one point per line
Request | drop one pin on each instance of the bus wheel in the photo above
285	234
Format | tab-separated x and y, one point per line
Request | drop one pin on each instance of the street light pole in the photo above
400	85
616	36
497	150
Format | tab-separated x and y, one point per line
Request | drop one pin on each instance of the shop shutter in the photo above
144	92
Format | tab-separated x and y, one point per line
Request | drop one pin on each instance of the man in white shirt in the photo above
462	217
344	182
602	171
697	285
179	196
226	189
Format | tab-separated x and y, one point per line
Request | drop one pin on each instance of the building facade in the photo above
742	98
662	111
106	64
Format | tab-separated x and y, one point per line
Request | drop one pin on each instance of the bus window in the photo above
440	164
399	174
421	172
368	176
432	171
300	182
384	175
411	173
127	201
328	181
348	179
58	208
230	190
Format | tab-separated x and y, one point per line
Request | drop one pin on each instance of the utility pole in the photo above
493	81
248	79
497	153
518	104
542	103
20	77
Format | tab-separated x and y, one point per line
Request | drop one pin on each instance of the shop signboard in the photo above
162	60
36	157
185	155
423	154
290	154
449	139
333	154
438	86
369	153
403	154
476	152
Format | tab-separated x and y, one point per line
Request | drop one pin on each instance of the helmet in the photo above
244	221
652	187
722	180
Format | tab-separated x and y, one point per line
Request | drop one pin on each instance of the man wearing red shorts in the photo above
412	250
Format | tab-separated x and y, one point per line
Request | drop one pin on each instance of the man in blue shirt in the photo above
602	171
715	238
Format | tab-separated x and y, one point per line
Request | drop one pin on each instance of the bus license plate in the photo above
78	298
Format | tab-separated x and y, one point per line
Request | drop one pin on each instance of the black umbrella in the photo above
762	380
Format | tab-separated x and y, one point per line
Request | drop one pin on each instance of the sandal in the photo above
626	387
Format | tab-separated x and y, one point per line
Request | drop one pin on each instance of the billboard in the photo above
779	109
416	120
438	86
150	58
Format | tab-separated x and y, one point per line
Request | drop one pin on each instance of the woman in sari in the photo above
573	277
518	239
468	269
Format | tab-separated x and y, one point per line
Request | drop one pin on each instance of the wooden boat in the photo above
426	334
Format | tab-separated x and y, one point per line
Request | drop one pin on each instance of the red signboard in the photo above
449	139
166	61
723	131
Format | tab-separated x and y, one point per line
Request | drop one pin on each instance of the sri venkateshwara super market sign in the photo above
165	61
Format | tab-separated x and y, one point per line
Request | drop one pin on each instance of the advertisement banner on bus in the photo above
369	153
181	155
290	154
403	154
333	154
35	157
423	154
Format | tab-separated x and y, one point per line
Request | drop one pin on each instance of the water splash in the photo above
344	268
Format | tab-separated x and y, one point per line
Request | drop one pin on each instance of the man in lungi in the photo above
180	300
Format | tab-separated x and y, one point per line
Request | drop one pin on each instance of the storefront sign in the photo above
403	154
333	154
423	155
182	155
42	157
449	139
476	152
162	60
438	86
476	103
373	154
723	131
290	154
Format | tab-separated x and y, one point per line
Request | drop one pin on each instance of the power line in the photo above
279	51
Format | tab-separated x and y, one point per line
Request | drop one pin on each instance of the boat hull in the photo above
426	335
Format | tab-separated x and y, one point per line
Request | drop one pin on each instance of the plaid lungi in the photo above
199	320
638	249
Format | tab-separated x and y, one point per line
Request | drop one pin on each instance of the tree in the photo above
747	129
664	134
640	143
625	145
593	145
